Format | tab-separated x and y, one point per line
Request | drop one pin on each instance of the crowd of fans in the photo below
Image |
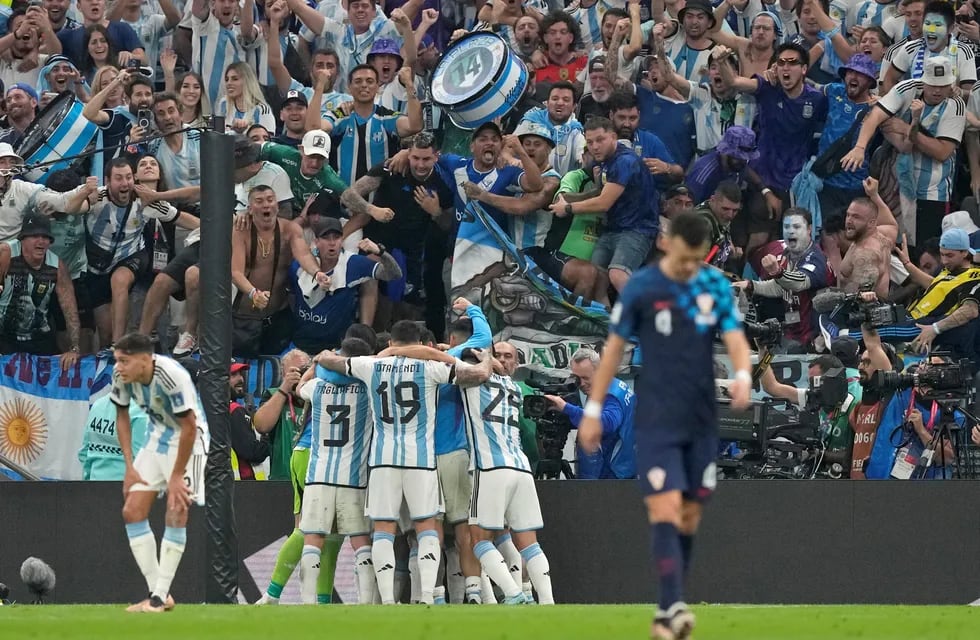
828	145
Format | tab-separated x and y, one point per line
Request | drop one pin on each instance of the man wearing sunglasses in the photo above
792	112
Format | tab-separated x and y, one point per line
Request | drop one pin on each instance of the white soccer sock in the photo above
367	584
539	571
144	546
473	589
511	556
427	562
309	572
383	555
487	591
454	576
528	591
493	563
171	551
413	573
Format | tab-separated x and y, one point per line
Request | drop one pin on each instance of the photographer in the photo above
867	413
904	447
799	272
615	458
945	313
835	429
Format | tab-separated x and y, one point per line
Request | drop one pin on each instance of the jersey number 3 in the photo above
339	417
406	397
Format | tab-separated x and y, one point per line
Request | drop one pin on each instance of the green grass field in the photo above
193	622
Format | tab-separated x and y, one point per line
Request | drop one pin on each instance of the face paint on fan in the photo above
795	233
935	31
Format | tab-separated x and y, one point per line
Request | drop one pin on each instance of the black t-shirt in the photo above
408	229
589	108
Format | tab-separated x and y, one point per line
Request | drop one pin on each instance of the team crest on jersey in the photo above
663	323
706	314
808	111
378	136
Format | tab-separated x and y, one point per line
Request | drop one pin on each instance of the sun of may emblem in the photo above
23	430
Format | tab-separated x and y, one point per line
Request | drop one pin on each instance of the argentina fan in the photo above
602	316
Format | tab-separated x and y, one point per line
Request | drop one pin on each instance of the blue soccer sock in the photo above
687	544
668	563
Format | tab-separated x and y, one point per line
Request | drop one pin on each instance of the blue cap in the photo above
23	86
385	46
955	240
427	41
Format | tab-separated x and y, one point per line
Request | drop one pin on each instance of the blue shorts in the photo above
670	464
623	250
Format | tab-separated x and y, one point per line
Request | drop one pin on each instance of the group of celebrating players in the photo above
374	468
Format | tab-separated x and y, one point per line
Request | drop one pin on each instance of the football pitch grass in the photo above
562	622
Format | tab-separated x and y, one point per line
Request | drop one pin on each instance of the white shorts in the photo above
155	470
505	498
324	505
456	484
387	486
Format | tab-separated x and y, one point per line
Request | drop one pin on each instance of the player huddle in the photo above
375	468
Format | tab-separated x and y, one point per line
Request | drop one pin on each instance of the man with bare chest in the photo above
871	230
261	253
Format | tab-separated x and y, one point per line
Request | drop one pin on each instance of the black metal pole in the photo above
217	210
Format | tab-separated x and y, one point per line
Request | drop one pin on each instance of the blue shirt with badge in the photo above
677	321
841	114
672	122
637	208
786	140
320	318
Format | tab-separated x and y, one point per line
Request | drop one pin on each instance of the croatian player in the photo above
172	460
503	486
336	477
674	308
403	464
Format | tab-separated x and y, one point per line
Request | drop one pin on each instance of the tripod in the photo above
553	468
943	435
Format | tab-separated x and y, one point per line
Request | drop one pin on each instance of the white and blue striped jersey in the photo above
351	48
590	21
403	397
531	230
712	117
259	59
341	428
152	31
182	168
944	121
910	58
689	62
214	48
169	395
105	219
259	114
492	413
330	101
361	143
870	13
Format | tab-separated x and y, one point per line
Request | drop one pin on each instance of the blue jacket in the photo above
450	426
616	457
883	454
100	455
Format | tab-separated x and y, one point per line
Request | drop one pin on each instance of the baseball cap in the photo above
326	203
6	151
597	63
530	128
676	190
847	350
327	225
938	72
316	143
36	225
486	125
296	96
955	240
26	88
237	366
960	220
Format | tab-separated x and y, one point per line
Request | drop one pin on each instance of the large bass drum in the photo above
59	131
478	79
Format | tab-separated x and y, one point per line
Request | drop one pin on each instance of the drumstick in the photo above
711	254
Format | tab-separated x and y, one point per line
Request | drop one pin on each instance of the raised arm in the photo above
727	75
313	117
531	181
276	14
887	224
410	123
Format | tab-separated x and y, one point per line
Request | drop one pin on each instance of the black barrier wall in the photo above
763	541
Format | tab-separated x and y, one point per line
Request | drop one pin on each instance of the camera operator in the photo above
799	272
906	434
867	413
615	458
945	313
835	429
